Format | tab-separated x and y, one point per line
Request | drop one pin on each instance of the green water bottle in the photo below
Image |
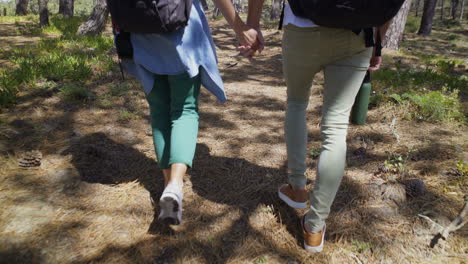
361	103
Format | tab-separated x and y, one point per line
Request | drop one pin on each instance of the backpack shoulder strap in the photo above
280	26
378	44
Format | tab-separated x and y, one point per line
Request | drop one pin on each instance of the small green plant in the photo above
314	152
126	116
261	259
462	168
75	92
395	163
361	246
459	175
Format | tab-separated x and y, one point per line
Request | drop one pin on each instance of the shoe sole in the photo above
290	202
170	213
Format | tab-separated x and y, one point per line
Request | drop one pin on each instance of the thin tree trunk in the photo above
394	34
417	7
22	8
462	9
442	9
96	22
66	7
453	9
43	13
275	11
427	18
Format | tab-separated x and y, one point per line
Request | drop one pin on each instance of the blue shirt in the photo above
188	50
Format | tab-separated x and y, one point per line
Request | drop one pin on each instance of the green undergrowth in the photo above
430	91
65	59
431	106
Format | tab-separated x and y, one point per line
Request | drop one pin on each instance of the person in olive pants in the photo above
344	56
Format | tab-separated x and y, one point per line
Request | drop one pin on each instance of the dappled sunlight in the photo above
93	199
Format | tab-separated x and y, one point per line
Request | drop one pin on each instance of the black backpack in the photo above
149	16
348	14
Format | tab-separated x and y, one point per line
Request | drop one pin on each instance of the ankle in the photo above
297	188
176	182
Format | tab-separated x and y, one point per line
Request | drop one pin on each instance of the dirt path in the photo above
89	201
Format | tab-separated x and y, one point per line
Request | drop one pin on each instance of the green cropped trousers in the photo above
173	103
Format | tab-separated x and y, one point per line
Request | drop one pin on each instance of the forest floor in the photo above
89	201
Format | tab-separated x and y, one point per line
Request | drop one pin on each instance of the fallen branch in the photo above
456	224
456	256
431	221
393	129
356	258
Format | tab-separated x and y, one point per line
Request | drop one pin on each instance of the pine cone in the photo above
30	159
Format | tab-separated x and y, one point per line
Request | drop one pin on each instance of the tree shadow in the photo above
235	182
20	255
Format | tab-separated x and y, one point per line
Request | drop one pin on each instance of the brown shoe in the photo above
313	242
294	198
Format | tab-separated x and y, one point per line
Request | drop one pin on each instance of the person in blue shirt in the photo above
171	68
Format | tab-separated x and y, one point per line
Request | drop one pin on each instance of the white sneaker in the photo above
170	205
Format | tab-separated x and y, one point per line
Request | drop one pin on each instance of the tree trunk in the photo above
442	9
204	4
275	9
66	7
43	13
394	34
22	8
427	18
4	11
453	9
96	22
462	9
417	8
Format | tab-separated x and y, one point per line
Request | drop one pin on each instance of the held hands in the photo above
250	41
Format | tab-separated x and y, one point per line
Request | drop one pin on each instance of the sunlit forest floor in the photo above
83	195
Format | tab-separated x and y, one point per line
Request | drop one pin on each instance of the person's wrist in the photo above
254	25
240	27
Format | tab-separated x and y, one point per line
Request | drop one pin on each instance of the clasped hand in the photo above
250	41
